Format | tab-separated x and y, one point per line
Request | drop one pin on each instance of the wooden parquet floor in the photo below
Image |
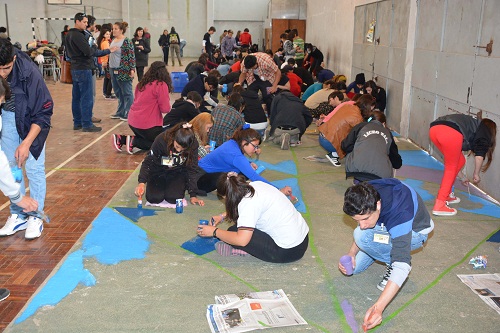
83	173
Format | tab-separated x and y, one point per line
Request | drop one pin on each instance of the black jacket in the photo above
181	111
476	135
141	56
288	110
79	50
253	113
163	40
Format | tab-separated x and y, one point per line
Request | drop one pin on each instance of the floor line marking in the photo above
50	173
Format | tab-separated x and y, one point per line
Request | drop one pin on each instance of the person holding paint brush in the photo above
267	227
393	222
455	133
171	167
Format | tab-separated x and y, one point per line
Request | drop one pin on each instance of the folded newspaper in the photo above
486	286
252	311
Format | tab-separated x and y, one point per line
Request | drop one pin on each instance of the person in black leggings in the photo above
267	226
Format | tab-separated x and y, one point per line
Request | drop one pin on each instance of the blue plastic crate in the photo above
179	80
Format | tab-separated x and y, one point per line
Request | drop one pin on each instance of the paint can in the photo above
179	207
212	145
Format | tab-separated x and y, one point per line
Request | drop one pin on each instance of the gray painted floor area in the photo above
169	290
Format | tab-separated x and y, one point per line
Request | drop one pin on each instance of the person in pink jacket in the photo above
145	118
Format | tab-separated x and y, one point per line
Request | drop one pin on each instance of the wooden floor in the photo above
83	174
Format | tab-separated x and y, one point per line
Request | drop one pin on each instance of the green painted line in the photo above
433	283
335	301
92	170
264	324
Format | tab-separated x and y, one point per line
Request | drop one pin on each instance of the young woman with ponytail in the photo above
267	225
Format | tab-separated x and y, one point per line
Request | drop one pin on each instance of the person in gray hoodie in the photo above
371	150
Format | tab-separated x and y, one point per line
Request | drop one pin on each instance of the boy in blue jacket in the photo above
393	221
25	127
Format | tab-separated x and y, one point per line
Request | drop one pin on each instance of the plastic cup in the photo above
260	169
346	261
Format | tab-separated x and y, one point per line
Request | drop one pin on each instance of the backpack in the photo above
174	39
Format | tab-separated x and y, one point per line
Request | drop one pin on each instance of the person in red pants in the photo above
455	133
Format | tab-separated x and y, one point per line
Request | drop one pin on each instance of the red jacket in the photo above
245	39
295	84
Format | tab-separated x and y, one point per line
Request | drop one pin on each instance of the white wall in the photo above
191	18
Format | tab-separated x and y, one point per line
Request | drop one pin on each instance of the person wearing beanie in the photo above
358	83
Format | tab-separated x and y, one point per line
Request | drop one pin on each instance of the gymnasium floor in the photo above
99	266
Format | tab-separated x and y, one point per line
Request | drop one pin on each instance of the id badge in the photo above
166	161
381	237
115	72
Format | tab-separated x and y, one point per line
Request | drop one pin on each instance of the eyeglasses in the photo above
256	147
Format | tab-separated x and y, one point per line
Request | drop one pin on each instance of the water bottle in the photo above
212	145
224	88
17	172
179	207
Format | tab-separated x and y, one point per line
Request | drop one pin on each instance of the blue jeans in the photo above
371	251
35	169
83	97
181	45
326	145
123	91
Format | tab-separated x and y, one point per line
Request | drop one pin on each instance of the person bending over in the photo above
393	222
171	168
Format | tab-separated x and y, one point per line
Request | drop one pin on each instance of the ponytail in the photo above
233	188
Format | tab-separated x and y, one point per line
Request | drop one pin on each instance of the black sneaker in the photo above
381	285
77	127
333	159
92	128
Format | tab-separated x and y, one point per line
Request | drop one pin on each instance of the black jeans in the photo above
165	54
208	182
144	138
167	186
263	247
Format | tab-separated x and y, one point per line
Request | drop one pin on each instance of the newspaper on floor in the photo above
486	286
252	311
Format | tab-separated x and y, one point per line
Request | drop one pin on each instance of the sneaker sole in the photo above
381	288
440	213
115	144
19	227
130	151
333	162
285	144
1	299
454	201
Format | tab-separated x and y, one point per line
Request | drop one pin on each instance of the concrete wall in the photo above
426	59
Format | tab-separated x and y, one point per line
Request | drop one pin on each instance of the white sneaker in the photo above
35	227
14	224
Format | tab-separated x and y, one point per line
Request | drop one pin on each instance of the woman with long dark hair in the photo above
151	102
103	43
141	50
452	134
171	168
267	227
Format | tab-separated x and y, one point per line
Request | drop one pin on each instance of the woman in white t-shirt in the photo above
267	227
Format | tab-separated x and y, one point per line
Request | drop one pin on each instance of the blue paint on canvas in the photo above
294	184
421	159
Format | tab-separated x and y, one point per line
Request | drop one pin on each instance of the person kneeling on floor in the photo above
393	222
289	120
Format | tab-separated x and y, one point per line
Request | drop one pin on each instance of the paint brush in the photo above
139	202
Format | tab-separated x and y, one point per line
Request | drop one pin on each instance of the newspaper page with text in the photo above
486	286
251	311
